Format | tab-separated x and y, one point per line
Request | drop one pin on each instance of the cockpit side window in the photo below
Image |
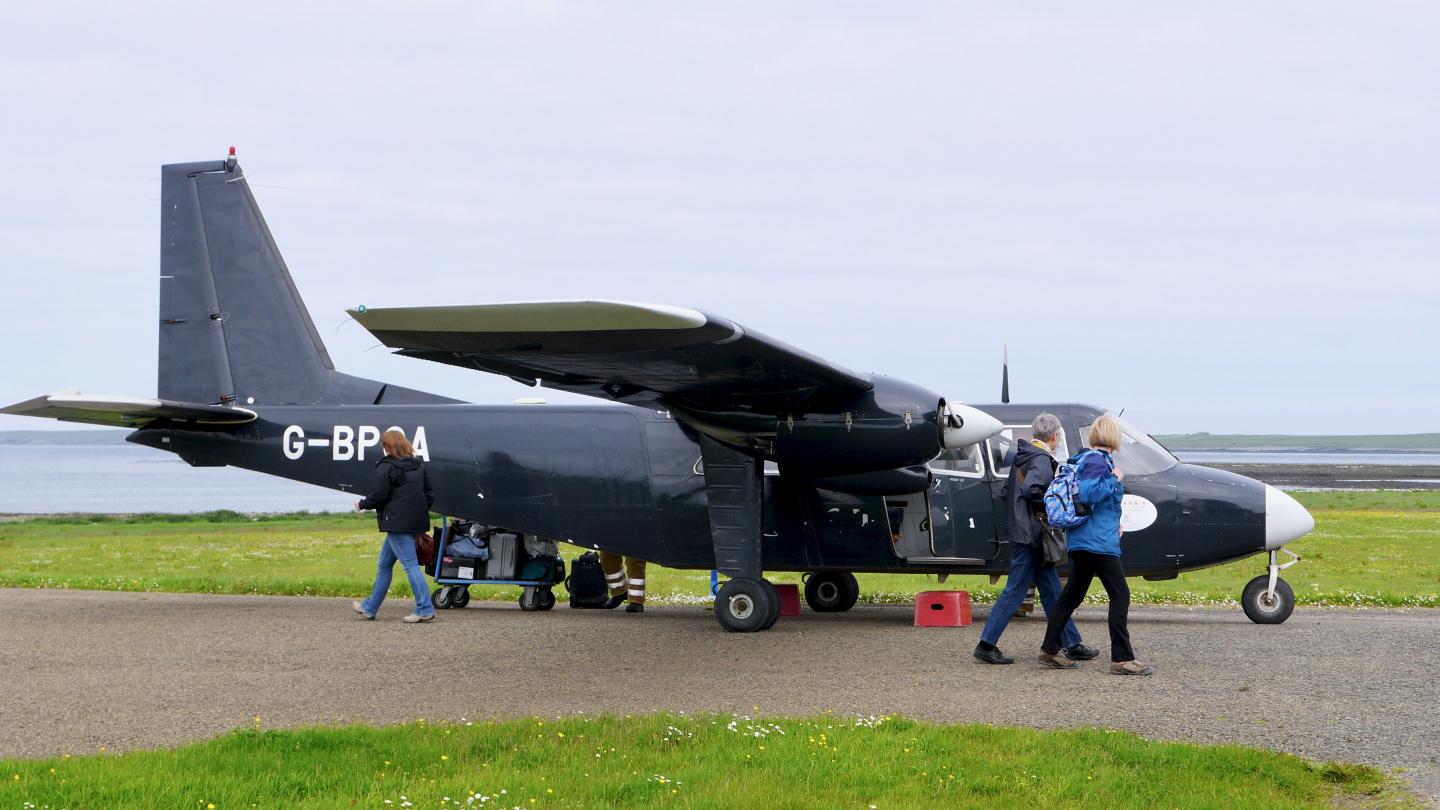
1002	446
960	460
1139	454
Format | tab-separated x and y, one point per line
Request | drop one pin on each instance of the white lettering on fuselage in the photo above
347	443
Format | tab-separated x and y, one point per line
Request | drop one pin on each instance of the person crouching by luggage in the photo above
1095	552
401	498
1030	475
625	577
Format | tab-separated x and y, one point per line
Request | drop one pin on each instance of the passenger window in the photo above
1003	444
962	460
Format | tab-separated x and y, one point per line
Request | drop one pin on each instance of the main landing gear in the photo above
831	591
747	605
1268	599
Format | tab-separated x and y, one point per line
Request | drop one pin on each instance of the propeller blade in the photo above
1005	379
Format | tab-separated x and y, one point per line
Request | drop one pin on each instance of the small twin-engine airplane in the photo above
716	447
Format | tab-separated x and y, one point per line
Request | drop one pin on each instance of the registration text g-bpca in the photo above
348	443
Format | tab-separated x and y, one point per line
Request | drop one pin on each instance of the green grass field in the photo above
719	761
1368	549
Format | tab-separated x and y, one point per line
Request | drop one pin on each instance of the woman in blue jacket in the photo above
1095	552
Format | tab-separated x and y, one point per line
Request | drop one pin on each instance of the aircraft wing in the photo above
636	353
71	405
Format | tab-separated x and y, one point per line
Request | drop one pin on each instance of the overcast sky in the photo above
1222	220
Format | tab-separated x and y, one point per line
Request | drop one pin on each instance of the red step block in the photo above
789	599
942	609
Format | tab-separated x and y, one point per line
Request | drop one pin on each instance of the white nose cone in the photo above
1285	519
967	426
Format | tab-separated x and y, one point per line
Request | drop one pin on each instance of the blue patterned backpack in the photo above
1063	508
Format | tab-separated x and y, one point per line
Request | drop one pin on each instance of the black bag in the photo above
586	582
1052	543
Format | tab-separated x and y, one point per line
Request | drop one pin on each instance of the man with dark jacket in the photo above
401	497
1031	472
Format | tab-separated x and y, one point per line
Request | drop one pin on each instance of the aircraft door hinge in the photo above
790	422
907	420
848	421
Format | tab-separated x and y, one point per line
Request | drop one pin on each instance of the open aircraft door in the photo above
953	519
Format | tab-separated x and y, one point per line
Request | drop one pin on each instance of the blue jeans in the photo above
1023	569
400	547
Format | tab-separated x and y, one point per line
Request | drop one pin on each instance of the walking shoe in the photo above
1130	668
1057	661
993	656
359	608
415	618
614	602
1081	653
634	607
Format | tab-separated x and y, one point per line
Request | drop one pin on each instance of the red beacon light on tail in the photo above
230	161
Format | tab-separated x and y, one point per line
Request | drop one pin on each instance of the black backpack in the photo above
586	582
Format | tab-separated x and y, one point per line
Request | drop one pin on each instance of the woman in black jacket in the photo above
401	498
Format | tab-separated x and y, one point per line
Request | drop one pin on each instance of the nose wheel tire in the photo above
1266	608
831	591
745	605
460	597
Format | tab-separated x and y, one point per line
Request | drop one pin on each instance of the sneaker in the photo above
415	618
993	656
359	608
1081	653
634	607
1057	661
614	602
1130	668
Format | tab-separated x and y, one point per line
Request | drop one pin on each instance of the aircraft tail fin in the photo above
233	328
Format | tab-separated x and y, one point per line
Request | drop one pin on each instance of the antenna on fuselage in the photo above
1005	378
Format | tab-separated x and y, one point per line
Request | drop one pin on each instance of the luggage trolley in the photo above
454	591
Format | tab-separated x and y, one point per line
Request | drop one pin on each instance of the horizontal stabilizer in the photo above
70	405
618	350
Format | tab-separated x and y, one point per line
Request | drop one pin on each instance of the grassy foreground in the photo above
719	761
1368	549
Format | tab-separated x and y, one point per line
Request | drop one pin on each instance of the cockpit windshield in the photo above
1138	454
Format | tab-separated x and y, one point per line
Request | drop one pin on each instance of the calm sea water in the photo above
131	478
1407	459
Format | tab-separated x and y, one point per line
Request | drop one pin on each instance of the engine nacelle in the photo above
895	425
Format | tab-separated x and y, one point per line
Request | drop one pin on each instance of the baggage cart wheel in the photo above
547	599
460	597
529	599
742	605
774	604
831	591
441	597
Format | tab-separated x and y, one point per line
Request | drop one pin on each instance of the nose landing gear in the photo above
1268	599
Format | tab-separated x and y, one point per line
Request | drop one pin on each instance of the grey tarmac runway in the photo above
80	670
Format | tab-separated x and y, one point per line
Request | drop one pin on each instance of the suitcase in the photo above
504	559
460	567
586	582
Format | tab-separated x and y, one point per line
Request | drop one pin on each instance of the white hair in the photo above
1045	426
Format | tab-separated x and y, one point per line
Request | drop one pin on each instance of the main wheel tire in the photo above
743	605
460	597
440	597
774	604
529	599
831	591
1263	610
547	599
